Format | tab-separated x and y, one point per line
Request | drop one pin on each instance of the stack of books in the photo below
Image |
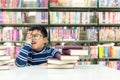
69	58
60	64
5	60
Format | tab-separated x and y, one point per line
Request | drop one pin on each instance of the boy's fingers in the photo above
29	34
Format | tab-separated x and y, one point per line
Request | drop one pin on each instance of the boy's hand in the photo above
29	37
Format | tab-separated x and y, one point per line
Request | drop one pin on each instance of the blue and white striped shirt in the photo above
28	57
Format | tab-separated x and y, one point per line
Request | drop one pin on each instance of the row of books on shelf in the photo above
11	17
84	17
90	34
109	17
23	3
72	34
85	3
109	34
7	17
61	3
72	17
109	51
109	3
111	64
74	3
13	34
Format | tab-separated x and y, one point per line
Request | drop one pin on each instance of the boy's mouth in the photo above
33	42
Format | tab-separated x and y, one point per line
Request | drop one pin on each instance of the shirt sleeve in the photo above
22	57
53	52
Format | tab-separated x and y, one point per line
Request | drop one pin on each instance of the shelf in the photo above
109	59
109	25
81	41
109	9
108	41
63	25
86	9
12	41
24	9
24	24
83	9
87	58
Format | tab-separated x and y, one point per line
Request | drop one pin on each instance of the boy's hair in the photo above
41	29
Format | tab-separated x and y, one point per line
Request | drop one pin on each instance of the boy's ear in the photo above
45	40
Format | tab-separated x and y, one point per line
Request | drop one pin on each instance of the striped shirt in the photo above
27	56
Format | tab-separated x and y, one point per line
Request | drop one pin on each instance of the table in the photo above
81	72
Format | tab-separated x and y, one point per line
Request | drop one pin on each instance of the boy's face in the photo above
38	40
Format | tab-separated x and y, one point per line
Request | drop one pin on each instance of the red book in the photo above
53	0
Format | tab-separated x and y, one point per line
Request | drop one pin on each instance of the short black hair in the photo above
39	28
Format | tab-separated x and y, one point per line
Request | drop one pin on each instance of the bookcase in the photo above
81	22
88	22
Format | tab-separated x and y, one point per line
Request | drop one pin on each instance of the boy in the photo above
34	51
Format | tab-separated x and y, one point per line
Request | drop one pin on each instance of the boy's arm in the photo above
22	58
56	53
58	56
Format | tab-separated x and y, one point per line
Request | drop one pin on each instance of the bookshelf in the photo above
56	10
62	8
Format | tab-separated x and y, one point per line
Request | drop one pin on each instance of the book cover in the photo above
59	62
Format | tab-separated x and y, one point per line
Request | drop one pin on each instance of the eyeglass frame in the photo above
35	36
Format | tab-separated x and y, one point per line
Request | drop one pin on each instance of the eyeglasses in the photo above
35	36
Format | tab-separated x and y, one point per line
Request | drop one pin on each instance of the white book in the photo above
2	53
75	52
79	52
7	62
57	61
4	57
65	66
6	67
68	57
